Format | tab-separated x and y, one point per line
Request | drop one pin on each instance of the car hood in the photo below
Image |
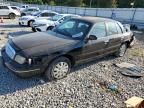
42	43
43	21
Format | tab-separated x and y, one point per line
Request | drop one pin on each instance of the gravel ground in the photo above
85	87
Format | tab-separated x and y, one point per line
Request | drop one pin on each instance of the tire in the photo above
12	16
33	29
30	23
55	70
23	14
50	28
132	43
122	50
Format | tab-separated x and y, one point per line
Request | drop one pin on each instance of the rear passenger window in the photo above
52	14
44	14
111	28
4	7
99	30
118	29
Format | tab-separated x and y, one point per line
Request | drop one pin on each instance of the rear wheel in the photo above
33	29
122	50
12	16
58	69
50	28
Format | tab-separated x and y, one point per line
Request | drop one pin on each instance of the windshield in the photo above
36	14
76	29
56	17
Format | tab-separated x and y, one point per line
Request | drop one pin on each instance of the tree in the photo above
114	3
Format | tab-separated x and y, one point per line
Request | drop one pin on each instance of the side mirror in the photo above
92	37
60	21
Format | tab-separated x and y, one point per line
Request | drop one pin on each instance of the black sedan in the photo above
75	41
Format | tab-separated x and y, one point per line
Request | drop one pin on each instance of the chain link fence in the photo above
133	16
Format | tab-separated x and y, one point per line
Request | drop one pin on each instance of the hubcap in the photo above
60	70
122	50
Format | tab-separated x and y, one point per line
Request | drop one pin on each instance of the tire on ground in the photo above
12	16
122	50
49	73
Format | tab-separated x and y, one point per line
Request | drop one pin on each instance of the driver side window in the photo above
99	30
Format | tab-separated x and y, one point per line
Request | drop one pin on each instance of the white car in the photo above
24	7
7	11
28	20
48	24
16	8
30	11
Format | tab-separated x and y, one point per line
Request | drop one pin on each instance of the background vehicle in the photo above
7	11
74	41
30	11
48	24
24	7
16	8
28	20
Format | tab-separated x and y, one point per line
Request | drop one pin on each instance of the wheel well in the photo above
71	58
67	56
30	21
50	27
12	13
127	43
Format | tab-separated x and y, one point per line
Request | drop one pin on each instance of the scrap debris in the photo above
130	70
135	102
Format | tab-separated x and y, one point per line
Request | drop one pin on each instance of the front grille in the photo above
10	51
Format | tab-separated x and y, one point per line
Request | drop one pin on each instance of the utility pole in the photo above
90	3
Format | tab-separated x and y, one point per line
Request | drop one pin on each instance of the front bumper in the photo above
23	22
20	70
39	28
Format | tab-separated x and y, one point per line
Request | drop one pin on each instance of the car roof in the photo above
68	14
95	19
48	11
32	8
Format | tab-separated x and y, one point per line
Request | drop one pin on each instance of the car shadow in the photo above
12	26
10	83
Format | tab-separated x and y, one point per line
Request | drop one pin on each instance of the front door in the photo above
95	48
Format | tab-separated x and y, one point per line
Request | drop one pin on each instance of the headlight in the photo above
19	59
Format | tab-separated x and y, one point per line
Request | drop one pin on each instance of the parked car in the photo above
48	24
23	7
16	8
8	11
74	41
28	20
30	11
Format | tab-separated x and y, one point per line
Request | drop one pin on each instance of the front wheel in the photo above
58	69
12	16
30	23
122	50
50	28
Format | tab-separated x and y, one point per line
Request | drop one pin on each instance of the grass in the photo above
139	52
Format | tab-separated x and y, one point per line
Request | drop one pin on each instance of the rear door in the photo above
115	36
96	48
4	11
